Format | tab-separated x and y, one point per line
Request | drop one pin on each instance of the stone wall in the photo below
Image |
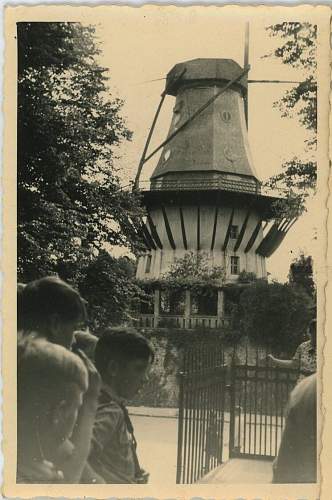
162	388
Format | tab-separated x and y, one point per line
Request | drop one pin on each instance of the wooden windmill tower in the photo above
205	195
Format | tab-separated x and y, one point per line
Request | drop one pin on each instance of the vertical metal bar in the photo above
246	62
180	431
195	429
185	406
222	416
261	387
232	409
250	407
277	412
245	405
271	408
189	466
200	419
239	385
197	423
255	405
204	440
265	403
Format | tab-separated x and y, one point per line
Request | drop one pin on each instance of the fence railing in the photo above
253	392
176	321
201	413
259	395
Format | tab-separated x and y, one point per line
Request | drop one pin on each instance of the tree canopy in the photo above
298	43
70	204
108	286
275	314
301	274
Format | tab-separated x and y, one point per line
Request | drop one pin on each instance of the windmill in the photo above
205	195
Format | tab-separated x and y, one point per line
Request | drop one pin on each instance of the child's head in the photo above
51	382
52	308
122	357
86	342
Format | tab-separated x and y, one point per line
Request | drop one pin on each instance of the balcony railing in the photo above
244	185
182	322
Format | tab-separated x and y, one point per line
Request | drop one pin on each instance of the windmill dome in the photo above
198	71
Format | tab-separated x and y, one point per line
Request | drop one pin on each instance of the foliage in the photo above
246	277
191	272
108	286
274	313
69	198
298	50
301	274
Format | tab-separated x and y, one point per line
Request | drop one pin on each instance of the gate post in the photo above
232	410
179	463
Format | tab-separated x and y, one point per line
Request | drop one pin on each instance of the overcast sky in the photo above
145	44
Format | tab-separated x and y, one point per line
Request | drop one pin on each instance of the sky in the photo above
142	46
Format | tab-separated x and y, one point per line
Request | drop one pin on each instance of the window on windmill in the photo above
226	116
204	303
234	231
235	264
148	263
172	302
167	155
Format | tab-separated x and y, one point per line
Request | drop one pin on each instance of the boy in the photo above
50	308
122	357
51	382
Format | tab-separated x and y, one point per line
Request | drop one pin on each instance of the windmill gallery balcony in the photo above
183	310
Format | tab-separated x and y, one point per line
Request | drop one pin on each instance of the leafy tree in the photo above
69	199
108	285
298	50
194	269
301	274
275	314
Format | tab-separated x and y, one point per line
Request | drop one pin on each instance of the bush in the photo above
275	314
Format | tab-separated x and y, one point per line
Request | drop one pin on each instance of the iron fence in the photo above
252	393
201	412
258	398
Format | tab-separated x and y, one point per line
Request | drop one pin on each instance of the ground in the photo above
157	447
157	451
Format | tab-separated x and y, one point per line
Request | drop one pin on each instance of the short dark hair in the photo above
123	344
45	374
50	295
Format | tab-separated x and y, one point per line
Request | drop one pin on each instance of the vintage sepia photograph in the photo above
171	172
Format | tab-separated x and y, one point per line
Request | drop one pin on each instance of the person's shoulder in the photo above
305	392
108	411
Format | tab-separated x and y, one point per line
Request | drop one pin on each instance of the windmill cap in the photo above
204	70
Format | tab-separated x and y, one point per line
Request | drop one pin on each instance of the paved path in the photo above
241	471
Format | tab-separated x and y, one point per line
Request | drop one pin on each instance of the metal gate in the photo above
258	399
201	412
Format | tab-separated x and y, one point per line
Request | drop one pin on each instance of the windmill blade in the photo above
245	64
274	81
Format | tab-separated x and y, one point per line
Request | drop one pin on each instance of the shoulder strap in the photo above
130	429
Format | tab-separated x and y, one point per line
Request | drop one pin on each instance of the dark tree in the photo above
275	314
109	287
301	274
298	43
69	198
